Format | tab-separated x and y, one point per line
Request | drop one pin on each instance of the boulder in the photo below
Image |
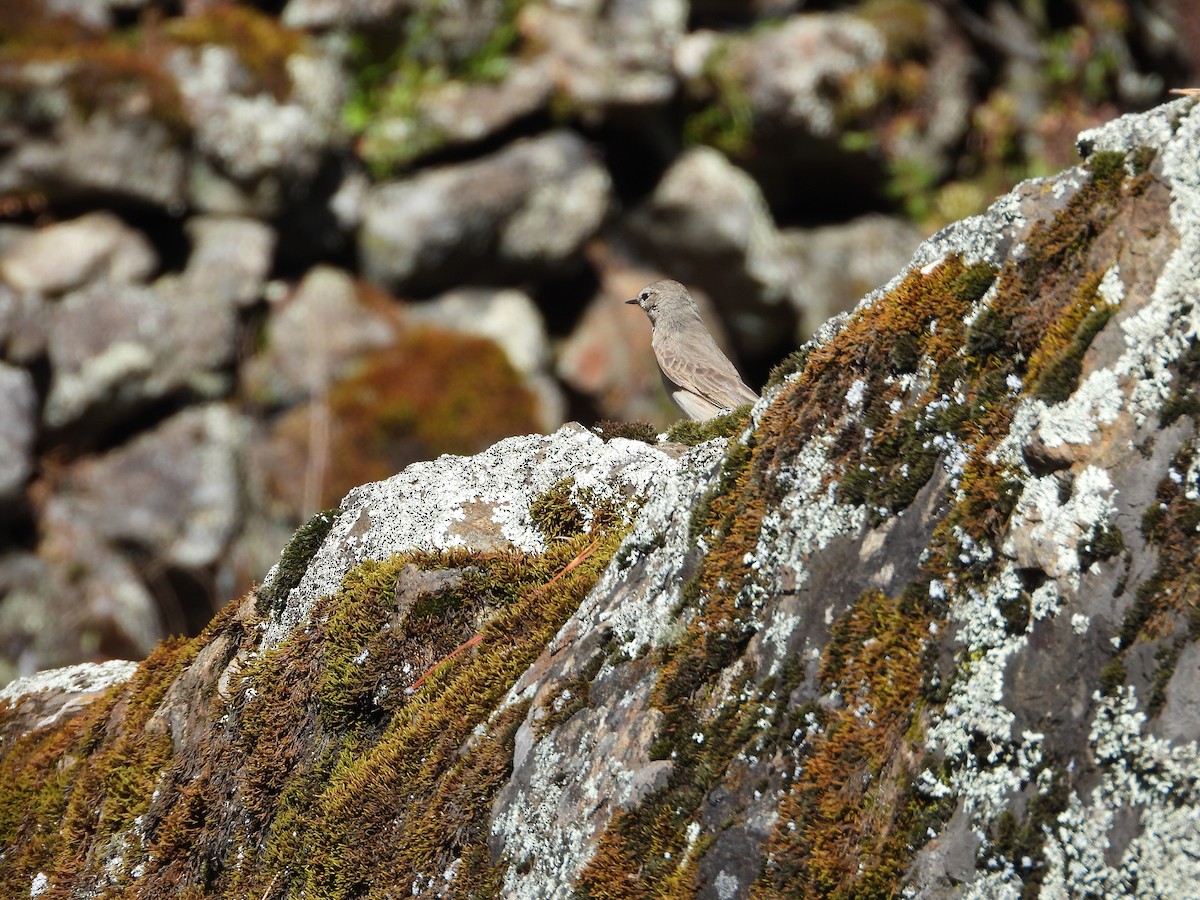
95	247
525	209
314	336
116	348
18	432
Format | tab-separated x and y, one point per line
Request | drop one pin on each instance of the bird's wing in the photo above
706	372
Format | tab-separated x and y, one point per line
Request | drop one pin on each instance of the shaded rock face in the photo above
923	623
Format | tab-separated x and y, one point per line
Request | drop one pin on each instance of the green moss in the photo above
294	560
566	511
1060	378
633	431
727	121
1185	393
1104	544
1113	676
390	77
263	46
792	364
726	425
1021	839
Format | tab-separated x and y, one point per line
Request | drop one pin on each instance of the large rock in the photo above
230	259
526	209
838	264
62	257
116	348
607	56
314	336
255	150
172	493
24	325
708	224
922	623
128	151
18	431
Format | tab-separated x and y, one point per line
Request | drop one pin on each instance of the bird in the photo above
698	377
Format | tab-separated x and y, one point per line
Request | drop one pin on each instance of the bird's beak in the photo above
634	300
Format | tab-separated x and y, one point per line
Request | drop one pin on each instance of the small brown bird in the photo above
699	378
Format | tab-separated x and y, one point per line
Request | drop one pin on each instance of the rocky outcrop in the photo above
335	219
920	621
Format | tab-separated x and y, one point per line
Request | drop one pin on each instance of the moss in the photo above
726	425
1112	676
632	431
69	787
262	45
1021	839
726	122
294	560
391	75
414	401
1185	393
792	364
566	511
1106	543
838	833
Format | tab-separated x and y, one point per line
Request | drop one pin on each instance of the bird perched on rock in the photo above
699	378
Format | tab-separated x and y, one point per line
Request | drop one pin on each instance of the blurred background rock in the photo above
252	255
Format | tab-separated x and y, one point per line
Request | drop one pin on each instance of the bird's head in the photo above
664	296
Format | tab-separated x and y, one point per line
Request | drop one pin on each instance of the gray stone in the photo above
125	157
252	149
18	431
313	336
527	207
114	349
68	255
173	492
836	265
1180	720
230	259
24	325
607	55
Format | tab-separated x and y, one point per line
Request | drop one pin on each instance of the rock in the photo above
708	224
115	349
431	392
255	152
512	321
314	336
327	13
811	653
76	599
607	56
126	157
527	208
230	258
837	265
1183	698
18	432
24	325
478	502
41	700
62	257
173	492
453	114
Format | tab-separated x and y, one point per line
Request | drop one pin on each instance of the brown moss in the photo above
434	392
262	44
842	832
